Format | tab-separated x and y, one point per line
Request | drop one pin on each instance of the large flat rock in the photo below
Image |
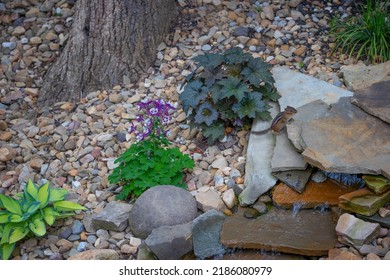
375	100
315	195
343	139
298	89
360	76
258	172
307	233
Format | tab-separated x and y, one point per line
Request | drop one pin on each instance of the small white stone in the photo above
229	198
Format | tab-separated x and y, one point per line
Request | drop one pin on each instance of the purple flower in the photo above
153	116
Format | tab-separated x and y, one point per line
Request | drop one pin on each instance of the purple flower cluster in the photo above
153	116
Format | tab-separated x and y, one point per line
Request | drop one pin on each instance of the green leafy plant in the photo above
29	215
151	160
366	35
227	90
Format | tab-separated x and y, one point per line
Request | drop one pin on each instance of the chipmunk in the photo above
279	122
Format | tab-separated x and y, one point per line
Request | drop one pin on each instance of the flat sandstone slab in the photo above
298	89
344	140
308	233
315	194
375	100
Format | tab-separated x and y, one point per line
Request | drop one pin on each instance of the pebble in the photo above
77	227
65	232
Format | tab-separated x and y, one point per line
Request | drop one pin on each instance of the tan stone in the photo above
19	30
232	16
300	51
7	153
359	76
99	254
36	163
253	42
36	40
73	172
342	254
5	135
315	194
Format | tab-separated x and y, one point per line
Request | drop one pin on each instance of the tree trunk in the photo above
111	42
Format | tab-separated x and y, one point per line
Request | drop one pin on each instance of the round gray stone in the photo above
161	206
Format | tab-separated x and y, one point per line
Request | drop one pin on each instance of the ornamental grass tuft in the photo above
367	35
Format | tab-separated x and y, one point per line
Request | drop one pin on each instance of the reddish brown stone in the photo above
308	233
315	194
342	254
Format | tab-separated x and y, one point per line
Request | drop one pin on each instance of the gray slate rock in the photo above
383	221
258	177
298	89
375	100
161	206
113	217
170	242
295	179
285	156
206	233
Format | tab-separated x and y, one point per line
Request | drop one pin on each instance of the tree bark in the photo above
111	41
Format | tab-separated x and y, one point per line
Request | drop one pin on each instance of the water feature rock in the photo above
306	233
356	232
375	100
378	184
285	156
360	76
376	218
258	177
295	179
161	206
315	195
170	242
364	201
210	200
206	233
113	217
351	148
298	89
96	254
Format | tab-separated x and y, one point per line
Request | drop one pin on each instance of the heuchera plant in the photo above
227	90
150	161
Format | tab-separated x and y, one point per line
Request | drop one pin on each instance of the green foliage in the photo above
227	90
365	35
30	214
149	163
